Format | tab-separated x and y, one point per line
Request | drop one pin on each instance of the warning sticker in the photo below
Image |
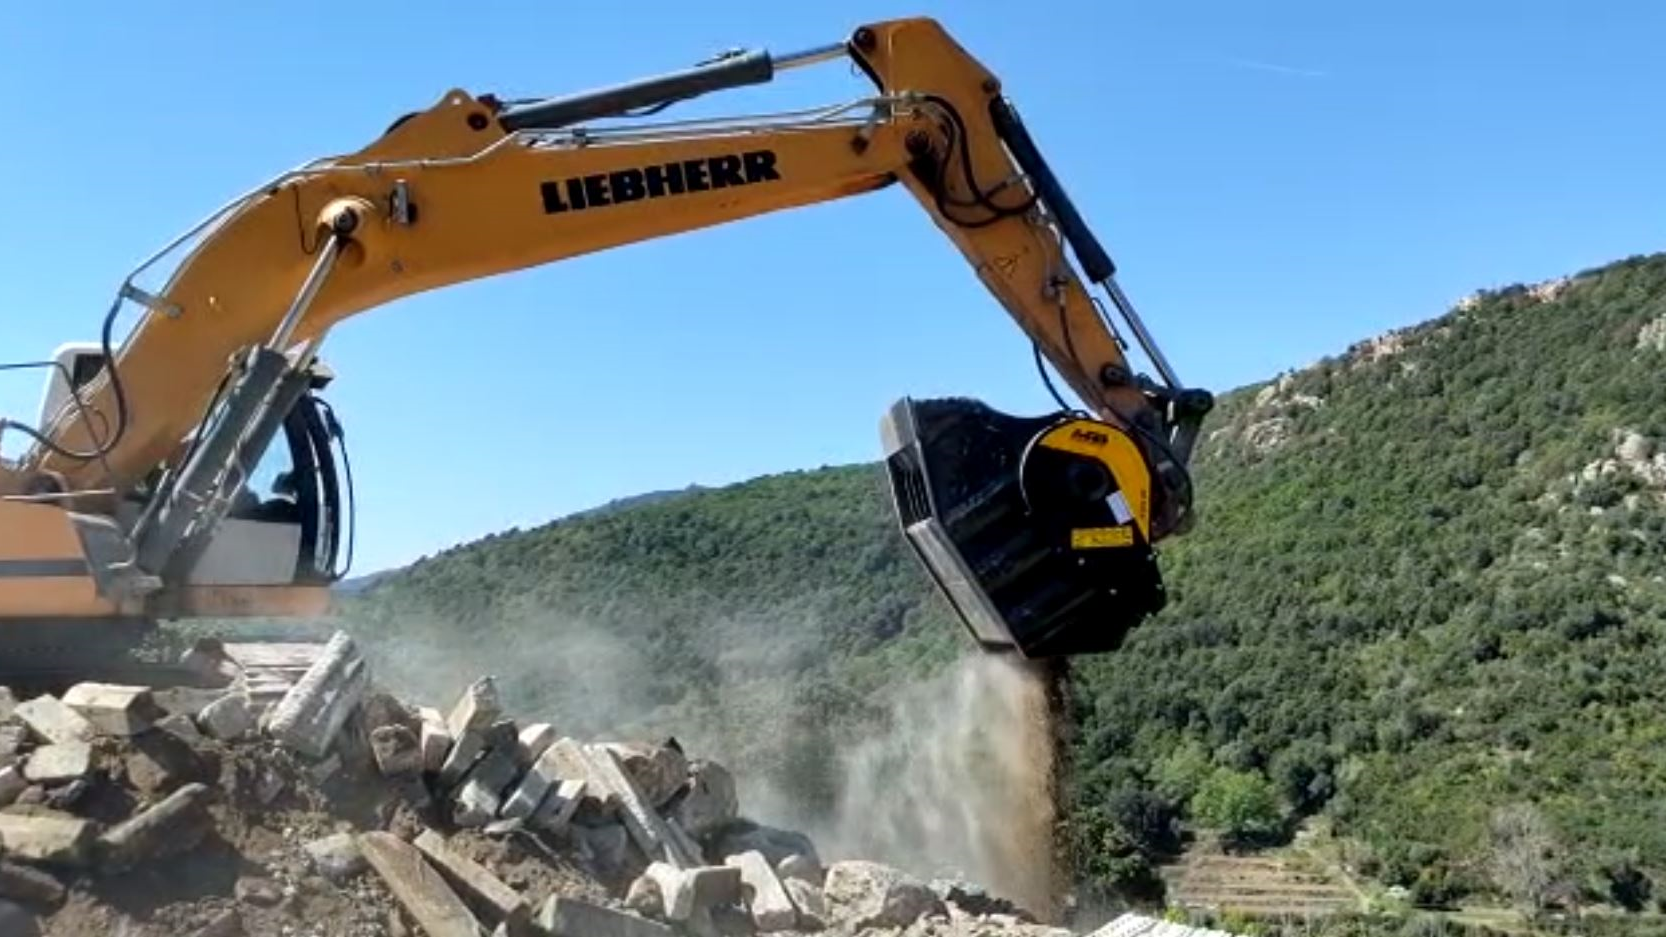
1093	538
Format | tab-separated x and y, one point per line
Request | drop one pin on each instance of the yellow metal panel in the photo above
52	597
242	602
1115	451
36	531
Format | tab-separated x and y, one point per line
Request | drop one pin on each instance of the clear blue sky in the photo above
1276	179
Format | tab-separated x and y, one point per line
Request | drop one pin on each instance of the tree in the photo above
1183	771
1525	855
1242	805
1147	818
1303	774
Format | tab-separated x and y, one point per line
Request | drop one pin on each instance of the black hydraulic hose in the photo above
102	449
340	435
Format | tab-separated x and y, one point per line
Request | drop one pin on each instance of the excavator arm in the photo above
471	188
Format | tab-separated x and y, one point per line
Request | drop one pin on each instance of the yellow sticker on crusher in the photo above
1089	538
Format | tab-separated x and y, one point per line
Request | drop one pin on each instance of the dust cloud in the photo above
960	783
950	776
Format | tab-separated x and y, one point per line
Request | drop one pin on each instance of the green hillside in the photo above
1427	584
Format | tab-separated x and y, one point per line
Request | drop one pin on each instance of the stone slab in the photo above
767	900
48	839
472	879
114	709
59	763
51	721
570	917
310	715
421	890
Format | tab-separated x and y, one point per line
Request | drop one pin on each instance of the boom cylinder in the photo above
734	71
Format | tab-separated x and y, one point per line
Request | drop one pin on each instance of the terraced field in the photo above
1258	885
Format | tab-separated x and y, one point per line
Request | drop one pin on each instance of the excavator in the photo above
194	469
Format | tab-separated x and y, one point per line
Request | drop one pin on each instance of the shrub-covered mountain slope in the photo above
1428	582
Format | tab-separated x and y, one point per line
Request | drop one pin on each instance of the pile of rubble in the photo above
318	805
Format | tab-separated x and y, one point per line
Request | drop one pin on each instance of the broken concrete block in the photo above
766	898
571	761
710	802
208	660
228	718
435	742
50	720
481	796
606	845
523	802
18	921
48	839
159	762
497	770
476	710
473	880
526	797
745	836
12	783
65	797
569	917
475	805
337	858
397	751
418	888
12	737
8	702
382	709
643	823
686	891
173	825
644	897
310	715
802	868
686	844
181	727
868	894
464	753
114	709
324	770
807	898
535	739
558	807
658	771
259	892
227	923
59	763
30	886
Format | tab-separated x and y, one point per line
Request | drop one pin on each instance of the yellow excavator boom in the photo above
121	508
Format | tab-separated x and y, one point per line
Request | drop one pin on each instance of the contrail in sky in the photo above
1274	68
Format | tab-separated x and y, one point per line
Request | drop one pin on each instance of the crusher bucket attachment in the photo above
1036	530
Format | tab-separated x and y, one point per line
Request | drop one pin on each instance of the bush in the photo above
1241	805
1149	820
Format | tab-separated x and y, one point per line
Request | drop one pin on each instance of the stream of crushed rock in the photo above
961	784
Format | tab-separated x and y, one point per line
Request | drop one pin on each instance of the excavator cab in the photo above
284	522
1038	531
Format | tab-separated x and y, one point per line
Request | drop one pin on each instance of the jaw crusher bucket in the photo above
1036	530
